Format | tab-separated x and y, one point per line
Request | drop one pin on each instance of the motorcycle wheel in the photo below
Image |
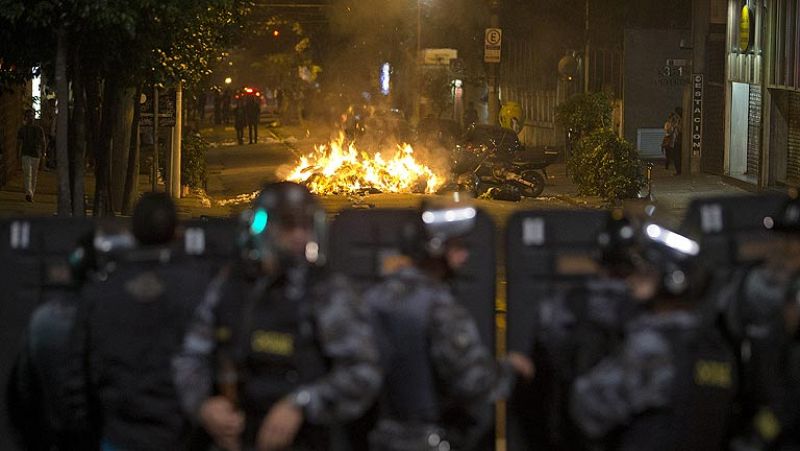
534	178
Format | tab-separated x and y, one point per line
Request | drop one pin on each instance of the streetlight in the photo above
228	80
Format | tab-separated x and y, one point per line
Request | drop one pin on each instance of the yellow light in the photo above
276	33
228	81
340	168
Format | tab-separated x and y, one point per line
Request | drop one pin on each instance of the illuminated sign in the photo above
746	35
386	77
697	113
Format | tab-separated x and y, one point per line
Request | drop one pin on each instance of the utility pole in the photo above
418	64
494	70
586	54
701	14
154	169
177	138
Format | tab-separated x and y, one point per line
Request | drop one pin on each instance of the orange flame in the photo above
340	168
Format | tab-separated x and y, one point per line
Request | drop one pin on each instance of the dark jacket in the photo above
229	314
670	386
128	329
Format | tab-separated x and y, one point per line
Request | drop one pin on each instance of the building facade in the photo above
762	126
781	156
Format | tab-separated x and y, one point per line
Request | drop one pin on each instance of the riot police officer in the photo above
761	307
431	351
37	375
119	390
278	348
671	383
576	326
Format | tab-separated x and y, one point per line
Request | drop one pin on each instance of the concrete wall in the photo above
649	95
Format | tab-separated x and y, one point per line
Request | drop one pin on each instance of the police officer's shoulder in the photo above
646	343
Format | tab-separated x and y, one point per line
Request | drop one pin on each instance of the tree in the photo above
600	163
164	41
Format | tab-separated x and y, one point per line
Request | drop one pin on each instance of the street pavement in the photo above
236	172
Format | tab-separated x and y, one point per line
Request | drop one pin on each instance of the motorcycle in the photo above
486	174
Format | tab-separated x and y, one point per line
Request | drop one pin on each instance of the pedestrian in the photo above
672	145
431	353
279	349
470	116
239	122
253	115
671	383
31	145
119	391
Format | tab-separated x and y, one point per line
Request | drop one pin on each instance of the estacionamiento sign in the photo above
697	113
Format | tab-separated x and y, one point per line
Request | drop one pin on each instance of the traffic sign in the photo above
493	40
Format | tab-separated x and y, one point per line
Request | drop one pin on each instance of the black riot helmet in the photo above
154	219
285	227
675	258
438	222
788	219
616	242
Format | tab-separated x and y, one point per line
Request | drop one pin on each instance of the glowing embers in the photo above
340	168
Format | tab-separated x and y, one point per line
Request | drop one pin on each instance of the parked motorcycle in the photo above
493	161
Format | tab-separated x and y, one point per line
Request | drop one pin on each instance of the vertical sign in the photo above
697	113
492	43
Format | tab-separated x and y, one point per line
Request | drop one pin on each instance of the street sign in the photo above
493	40
439	56
166	108
697	114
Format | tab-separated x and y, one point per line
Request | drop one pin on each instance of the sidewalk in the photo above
671	194
13	203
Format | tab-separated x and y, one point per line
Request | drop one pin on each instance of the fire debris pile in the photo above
340	168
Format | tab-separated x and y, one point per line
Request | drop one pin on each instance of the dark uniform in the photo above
38	377
672	382
433	356
574	330
275	327
575	327
757	305
287	338
670	386
119	388
431	351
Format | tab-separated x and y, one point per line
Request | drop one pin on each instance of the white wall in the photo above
740	107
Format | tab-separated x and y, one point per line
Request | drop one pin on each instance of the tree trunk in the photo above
132	176
92	87
62	123
110	115
78	143
120	146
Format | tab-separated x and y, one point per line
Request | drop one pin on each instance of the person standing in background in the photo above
671	146
30	146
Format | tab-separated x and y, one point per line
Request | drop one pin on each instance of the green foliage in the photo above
193	161
605	165
141	40
584	113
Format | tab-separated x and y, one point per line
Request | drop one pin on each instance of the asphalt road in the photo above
236	172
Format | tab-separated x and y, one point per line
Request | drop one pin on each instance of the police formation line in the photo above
136	344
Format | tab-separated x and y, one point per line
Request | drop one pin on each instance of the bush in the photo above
584	113
193	161
605	165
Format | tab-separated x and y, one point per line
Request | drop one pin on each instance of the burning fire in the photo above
340	168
